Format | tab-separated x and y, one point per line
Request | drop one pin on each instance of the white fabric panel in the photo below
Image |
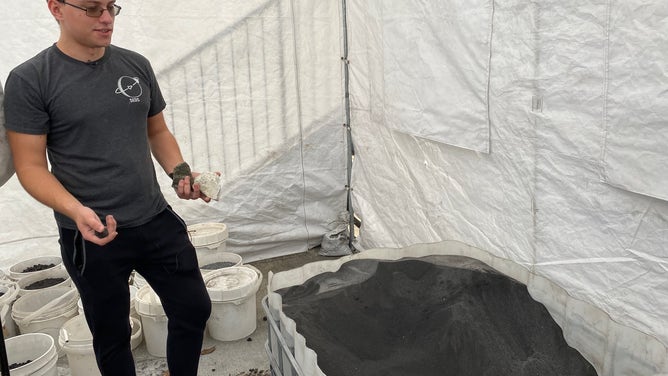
636	152
436	191
436	60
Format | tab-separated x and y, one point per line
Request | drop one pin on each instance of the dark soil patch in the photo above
411	317
255	372
44	283
218	265
38	267
17	365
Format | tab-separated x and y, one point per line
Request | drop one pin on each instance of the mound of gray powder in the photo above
412	317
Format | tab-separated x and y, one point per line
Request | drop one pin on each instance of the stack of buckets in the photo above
209	240
38	313
153	321
233	314
51	322
77	341
233	308
231	285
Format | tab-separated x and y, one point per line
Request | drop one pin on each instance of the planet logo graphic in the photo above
129	87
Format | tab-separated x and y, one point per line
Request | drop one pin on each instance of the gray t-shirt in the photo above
95	118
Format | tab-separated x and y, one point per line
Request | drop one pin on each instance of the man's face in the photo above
89	23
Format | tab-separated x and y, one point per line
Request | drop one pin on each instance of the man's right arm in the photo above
30	164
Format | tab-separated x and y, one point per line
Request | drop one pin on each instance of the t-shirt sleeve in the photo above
157	100
25	111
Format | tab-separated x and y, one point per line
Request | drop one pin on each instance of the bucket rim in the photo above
40	275
33	261
236	293
18	311
148	308
41	360
211	234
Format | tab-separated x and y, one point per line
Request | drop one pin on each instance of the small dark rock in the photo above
180	172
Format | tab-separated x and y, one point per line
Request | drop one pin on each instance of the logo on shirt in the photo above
129	87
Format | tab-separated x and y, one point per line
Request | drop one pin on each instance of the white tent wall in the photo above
253	90
560	84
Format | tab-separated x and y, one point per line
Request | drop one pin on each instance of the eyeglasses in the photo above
97	12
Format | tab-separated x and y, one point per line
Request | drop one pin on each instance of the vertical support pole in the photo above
4	363
351	150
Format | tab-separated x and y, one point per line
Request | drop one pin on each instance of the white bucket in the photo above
153	321
18	270
38	348
233	309
209	239
76	340
10	292
45	311
25	282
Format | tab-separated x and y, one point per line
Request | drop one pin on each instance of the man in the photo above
96	110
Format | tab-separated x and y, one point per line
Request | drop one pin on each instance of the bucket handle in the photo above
48	305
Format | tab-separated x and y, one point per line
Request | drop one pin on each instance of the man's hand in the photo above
186	193
92	229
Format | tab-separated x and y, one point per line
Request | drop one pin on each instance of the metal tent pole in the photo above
351	149
4	363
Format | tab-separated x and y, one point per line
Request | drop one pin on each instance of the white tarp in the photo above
535	131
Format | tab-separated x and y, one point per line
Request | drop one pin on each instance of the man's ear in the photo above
55	8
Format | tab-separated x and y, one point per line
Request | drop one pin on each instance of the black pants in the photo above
161	252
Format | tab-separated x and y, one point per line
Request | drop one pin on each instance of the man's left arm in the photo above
166	151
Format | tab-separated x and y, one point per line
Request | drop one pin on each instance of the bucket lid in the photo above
203	234
148	303
232	283
75	332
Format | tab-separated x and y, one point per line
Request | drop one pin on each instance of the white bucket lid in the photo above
148	303
205	234
75	332
233	283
